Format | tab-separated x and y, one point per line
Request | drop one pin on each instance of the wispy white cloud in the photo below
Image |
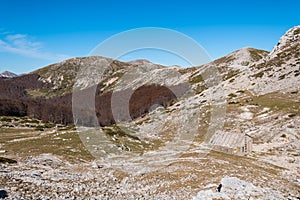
25	45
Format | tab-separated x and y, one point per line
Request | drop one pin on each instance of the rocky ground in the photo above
51	170
49	177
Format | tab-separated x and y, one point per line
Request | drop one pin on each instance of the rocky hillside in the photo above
46	94
249	91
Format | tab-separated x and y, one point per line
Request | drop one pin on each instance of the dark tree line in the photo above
14	101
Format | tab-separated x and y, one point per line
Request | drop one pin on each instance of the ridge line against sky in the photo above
36	33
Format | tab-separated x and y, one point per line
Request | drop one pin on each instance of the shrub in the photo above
7	160
281	77
292	115
259	74
240	91
5	119
232	95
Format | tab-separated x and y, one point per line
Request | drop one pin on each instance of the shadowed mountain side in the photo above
135	103
15	101
16	87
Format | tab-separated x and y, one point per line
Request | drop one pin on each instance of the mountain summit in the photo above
8	74
290	41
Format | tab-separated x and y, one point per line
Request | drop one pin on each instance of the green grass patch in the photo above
33	121
196	79
278	101
67	145
42	127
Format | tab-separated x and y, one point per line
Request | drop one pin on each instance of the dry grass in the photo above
29	142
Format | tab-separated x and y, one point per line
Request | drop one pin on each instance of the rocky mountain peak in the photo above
8	74
62	75
290	41
241	58
248	54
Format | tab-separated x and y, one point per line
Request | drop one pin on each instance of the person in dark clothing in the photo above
219	188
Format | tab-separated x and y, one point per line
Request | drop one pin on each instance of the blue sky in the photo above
36	33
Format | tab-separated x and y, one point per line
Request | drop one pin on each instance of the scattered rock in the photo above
246	115
248	100
3	194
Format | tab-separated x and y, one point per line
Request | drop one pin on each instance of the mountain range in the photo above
252	91
256	71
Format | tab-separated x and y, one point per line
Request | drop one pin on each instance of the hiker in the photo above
219	187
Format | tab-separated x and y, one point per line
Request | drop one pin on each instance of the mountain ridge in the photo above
239	69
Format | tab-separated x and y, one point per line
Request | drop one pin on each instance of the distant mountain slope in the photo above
139	62
63	75
7	74
46	93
